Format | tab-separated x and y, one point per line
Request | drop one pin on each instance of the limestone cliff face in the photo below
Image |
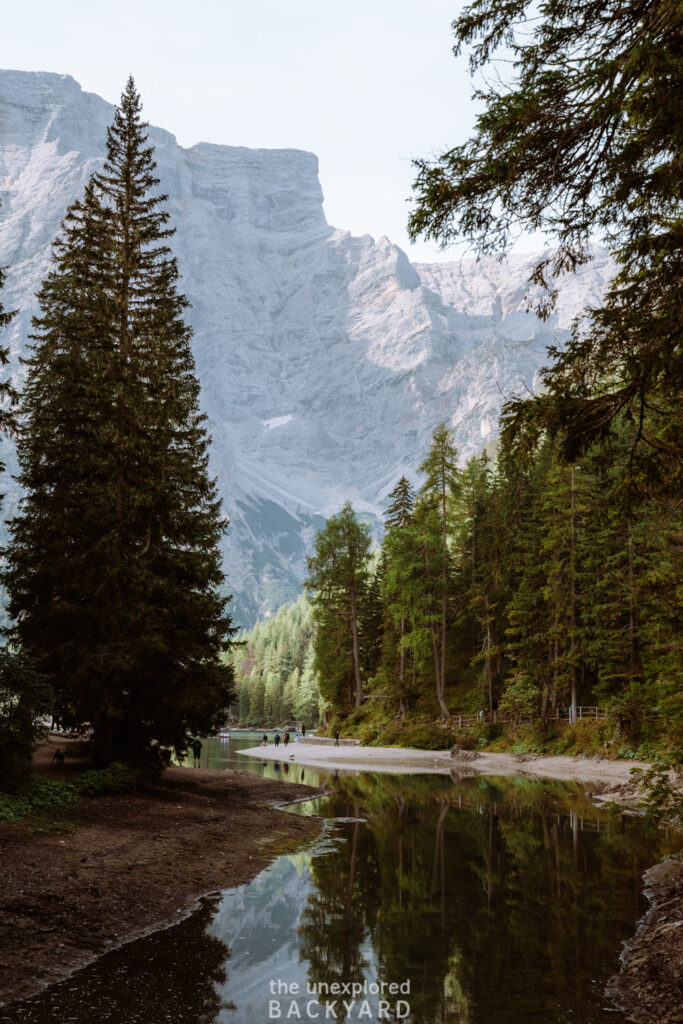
325	360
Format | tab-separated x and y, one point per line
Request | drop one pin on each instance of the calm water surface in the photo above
496	901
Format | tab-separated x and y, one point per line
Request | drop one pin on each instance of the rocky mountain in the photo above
325	359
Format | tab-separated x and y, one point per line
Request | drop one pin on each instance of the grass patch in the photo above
40	795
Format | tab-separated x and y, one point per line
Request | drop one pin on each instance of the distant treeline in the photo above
274	675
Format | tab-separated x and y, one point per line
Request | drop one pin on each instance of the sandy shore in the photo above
397	759
84	879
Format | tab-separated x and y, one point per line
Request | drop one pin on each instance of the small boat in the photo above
224	735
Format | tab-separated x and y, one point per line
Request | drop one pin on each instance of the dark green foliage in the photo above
25	700
663	785
419	737
398	586
371	617
399	513
39	795
113	571
585	137
433	522
274	675
561	590
338	579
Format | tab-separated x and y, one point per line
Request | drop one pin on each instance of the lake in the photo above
426	899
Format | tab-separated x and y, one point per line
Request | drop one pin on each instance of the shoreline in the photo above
129	865
87	879
649	985
401	760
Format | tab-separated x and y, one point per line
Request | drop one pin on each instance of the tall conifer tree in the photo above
400	554
113	570
338	581
439	488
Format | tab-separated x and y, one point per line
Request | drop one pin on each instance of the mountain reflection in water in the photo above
502	901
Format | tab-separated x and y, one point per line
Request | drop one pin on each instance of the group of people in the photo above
196	744
285	737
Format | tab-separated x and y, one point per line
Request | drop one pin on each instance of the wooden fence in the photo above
554	715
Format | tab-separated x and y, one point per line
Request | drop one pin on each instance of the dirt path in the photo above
118	866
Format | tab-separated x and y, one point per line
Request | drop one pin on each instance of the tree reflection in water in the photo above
500	900
173	976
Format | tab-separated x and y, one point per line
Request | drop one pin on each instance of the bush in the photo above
663	786
490	731
390	735
39	794
116	778
419	737
36	796
429	737
466	740
368	733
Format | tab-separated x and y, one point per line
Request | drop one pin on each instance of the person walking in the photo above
336	738
264	741
277	739
285	738
197	751
303	730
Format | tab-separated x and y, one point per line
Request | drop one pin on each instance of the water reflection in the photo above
224	753
175	975
501	901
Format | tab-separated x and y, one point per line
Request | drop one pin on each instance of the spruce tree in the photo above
436	493
338	582
113	570
582	136
399	557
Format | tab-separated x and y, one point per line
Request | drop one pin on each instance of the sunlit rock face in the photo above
326	360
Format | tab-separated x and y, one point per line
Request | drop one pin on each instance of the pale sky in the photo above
365	84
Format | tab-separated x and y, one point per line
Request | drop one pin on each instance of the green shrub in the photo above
368	733
39	794
490	731
466	740
35	797
116	778
428	737
389	736
419	737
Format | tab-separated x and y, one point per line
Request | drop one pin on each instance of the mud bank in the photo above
118	866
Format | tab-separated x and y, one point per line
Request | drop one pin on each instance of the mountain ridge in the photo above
325	359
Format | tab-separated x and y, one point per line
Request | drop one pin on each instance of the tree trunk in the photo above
572	571
103	743
632	633
444	594
356	653
401	674
489	674
445	713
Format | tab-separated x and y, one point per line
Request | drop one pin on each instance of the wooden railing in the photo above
554	715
